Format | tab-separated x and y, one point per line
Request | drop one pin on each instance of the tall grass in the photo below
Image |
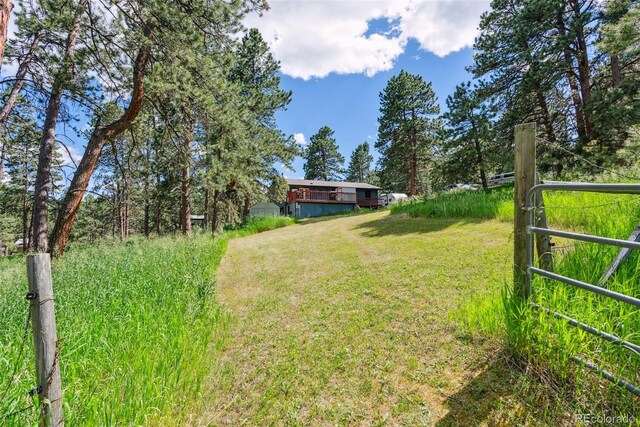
494	203
138	328
539	337
258	225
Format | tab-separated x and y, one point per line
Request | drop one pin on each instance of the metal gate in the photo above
532	230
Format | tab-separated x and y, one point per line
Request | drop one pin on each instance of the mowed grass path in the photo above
346	321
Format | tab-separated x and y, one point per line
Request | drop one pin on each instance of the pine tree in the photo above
408	128
278	188
359	169
322	159
468	131
256	74
71	18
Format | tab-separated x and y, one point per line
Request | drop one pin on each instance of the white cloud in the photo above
300	138
314	38
69	158
442	27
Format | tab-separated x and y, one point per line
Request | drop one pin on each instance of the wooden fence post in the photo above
45	341
525	175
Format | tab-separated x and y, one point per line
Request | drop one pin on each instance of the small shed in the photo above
264	209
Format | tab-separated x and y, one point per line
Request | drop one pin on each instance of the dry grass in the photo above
345	321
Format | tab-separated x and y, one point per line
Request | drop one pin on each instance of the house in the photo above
307	198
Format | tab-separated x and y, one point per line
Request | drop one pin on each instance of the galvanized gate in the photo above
532	230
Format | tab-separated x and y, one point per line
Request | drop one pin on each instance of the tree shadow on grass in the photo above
340	215
509	391
404	224
482	395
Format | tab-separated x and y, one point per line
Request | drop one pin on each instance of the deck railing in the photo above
306	195
370	202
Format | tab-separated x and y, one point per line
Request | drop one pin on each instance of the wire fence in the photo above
578	240
587	161
18	364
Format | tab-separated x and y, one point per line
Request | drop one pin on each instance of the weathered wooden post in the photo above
45	341
525	175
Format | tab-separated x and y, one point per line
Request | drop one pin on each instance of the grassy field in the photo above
138	325
546	341
384	318
346	321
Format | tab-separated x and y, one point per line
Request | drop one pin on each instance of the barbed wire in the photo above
563	247
587	161
601	205
19	411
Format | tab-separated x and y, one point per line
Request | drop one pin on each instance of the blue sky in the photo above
337	55
349	104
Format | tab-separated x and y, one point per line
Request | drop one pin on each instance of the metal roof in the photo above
337	184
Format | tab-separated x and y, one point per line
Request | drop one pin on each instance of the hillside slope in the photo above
345	321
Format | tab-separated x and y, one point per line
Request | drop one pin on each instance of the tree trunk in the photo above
147	215
548	124
216	213
546	117
6	6
483	174
147	211
247	207
47	141
100	135
114	215
412	171
185	205
573	85
3	148
584	76
158	215
124	213
19	81
147	203
205	222
25	199
615	71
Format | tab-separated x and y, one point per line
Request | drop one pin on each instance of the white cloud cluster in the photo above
69	155
300	138
313	38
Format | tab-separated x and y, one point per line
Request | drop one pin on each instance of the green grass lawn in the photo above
347	321
546	341
138	324
372	319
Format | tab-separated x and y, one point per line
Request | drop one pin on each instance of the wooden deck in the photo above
318	196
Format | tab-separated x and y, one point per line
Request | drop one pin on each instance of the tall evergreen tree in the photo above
322	159
408	129
256	73
468	131
71	16
359	169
